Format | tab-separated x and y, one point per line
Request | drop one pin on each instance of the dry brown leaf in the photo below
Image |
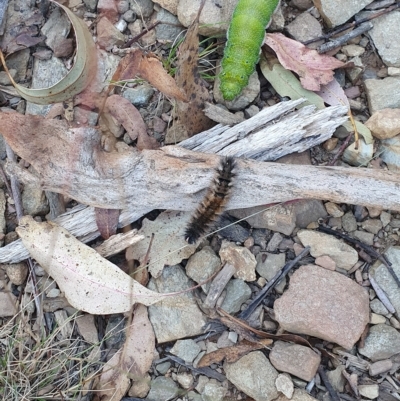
90	282
232	354
132	361
130	118
313	69
190	118
150	69
107	221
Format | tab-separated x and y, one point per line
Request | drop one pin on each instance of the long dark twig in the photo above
271	284
352	24
333	394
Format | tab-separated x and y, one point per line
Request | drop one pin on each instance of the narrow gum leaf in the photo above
77	78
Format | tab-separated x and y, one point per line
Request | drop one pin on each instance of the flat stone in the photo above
366	238
379	367
370	391
56	28
385	280
108	35
325	305
139	96
384	123
308	211
377	306
237	292
333	209
323	244
295	359
305	27
284	384
387	26
170	5
326	262
349	222
336	12
352	50
383	93
162	388
377	319
169	28
140	388
186	350
382	342
336	378
241	258
254	375
34	200
175	317
17	273
213	392
274	242
298	395
202	265
359	156
143	8
268	264
87	328
372	225
8	303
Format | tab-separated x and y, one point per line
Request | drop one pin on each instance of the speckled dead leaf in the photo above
132	361
79	75
313	69
90	282
168	247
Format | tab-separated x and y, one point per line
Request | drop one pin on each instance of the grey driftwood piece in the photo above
170	178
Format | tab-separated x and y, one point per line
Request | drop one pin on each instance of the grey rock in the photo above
323	304
385	280
284	384
202	265
305	27
353	50
268	264
323	244
355	72
4	78
254	375
366	238
349	222
17	273
143	8
56	28
8	304
308	211
237	292
274	242
232	232
299	394
336	12
175	317
34	201
370	391
162	388
360	156
385	27
186	350
382	342
122	6
385	218
163	367
302	4
91	5
372	225
389	153
115	331
46	73
383	93
377	307
379	367
169	28
295	359
140	96
19	62
129	16
337	379
213	392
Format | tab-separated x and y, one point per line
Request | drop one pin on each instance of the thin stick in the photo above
271	284
333	394
341	150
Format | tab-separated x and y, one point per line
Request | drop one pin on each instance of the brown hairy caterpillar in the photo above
213	203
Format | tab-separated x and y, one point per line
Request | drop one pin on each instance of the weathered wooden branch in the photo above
72	162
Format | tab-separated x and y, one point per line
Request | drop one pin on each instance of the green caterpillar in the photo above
242	51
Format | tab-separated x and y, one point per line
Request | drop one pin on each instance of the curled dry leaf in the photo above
90	282
107	221
79	75
132	361
313	69
150	69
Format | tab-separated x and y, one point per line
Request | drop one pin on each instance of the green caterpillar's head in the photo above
230	88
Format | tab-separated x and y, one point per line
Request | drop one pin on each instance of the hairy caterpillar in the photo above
245	36
213	203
